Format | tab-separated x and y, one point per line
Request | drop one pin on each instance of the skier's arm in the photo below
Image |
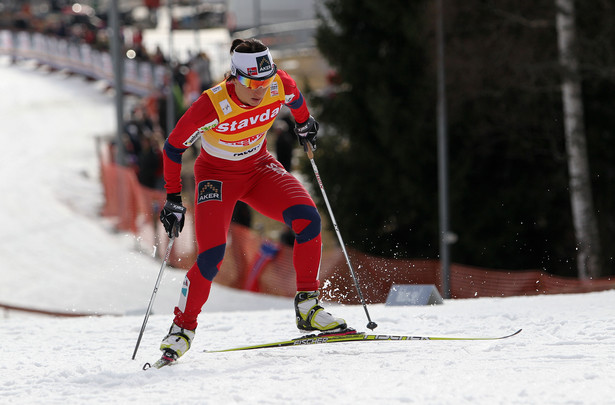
294	99
183	135
306	126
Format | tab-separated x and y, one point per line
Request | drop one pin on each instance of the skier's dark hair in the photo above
250	45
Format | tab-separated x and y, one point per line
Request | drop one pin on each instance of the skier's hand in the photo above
172	215
307	131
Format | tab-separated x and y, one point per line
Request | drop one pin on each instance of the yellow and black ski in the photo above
350	336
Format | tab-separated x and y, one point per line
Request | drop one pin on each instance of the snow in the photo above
57	254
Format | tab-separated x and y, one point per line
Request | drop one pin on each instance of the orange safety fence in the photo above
135	208
255	263
377	275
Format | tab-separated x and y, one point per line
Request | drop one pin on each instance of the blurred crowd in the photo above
146	126
146	120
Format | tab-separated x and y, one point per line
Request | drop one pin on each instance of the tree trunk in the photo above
584	218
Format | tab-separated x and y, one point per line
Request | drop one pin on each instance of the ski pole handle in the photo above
308	150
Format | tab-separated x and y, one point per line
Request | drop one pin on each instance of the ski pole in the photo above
370	324
151	300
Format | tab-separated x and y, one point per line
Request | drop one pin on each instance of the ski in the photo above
350	337
161	362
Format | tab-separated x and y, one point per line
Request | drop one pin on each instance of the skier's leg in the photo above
215	200
214	203
281	196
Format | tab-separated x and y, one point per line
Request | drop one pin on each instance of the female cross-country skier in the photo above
232	119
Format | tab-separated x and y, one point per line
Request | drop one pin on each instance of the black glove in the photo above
172	215
306	132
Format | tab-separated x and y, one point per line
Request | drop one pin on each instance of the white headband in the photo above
252	65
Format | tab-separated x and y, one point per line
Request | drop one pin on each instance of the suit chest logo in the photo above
247	121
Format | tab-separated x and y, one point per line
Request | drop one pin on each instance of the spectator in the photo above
242	214
192	86
284	143
200	64
150	163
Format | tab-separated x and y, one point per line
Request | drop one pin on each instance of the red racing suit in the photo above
233	165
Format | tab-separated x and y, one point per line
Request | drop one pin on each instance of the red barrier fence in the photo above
377	275
135	208
255	263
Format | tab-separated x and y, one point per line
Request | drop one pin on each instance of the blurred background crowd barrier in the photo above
140	77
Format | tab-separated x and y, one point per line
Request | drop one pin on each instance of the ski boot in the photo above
311	316
176	342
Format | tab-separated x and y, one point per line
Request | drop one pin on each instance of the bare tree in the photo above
583	214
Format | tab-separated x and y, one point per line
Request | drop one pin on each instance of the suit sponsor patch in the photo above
273	89
263	64
251	119
199	132
209	190
225	107
243	142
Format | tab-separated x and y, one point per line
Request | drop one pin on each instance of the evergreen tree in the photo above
508	163
510	202
377	155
